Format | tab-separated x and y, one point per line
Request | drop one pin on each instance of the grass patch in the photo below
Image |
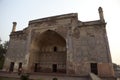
6	78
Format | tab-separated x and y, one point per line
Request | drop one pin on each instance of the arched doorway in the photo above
49	52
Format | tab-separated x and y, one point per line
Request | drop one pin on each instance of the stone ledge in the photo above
89	23
53	18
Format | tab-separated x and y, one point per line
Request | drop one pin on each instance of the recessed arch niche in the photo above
48	52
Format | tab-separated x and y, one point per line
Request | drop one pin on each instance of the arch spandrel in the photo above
62	31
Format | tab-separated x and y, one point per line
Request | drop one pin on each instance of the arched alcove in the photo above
48	52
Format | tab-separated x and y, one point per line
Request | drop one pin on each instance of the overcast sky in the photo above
22	11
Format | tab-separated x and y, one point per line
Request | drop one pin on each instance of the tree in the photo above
0	40
5	44
1	56
3	50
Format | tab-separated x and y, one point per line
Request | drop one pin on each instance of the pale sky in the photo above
22	11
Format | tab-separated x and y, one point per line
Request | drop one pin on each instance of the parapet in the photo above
54	18
90	23
21	35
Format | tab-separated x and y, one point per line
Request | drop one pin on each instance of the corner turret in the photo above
14	26
101	14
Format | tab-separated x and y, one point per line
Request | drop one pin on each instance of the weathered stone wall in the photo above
90	46
62	25
46	65
79	44
16	51
105	70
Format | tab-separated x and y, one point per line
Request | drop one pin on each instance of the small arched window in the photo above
55	49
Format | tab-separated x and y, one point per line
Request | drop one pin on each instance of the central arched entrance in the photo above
49	52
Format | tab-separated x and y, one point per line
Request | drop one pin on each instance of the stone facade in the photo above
61	44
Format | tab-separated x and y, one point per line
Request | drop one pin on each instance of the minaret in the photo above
101	14
14	27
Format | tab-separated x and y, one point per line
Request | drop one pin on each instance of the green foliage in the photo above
5	45
1	61
3	50
24	77
55	79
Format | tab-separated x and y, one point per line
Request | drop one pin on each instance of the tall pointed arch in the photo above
48	52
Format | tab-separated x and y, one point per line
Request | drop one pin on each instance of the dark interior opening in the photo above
94	68
36	67
20	65
55	49
54	66
11	67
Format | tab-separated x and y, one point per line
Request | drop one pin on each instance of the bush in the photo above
1	62
55	79
24	77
